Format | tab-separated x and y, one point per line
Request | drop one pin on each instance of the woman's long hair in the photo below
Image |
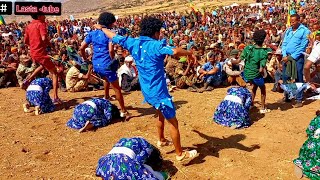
155	159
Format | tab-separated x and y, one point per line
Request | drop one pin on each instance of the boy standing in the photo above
255	58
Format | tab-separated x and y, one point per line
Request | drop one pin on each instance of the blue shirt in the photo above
295	43
208	66
149	55
101	56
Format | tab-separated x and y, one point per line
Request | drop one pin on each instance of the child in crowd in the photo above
38	96
211	72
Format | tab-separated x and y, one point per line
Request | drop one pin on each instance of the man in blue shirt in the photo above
102	60
149	54
211	72
294	45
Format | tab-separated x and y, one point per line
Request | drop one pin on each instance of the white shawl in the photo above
124	69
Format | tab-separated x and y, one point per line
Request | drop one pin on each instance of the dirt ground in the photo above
42	147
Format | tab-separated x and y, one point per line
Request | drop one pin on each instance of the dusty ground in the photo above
35	147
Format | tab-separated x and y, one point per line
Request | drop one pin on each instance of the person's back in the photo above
254	57
150	64
34	31
101	56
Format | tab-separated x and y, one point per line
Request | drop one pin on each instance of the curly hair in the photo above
259	36
106	19
34	16
115	112
149	26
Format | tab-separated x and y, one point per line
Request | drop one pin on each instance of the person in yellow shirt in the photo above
314	28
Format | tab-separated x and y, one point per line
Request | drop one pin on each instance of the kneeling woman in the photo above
38	96
94	113
131	158
308	162
233	111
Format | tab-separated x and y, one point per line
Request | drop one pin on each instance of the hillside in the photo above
92	8
84	8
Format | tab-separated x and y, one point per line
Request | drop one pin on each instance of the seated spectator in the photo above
234	69
75	80
274	68
8	72
273	64
186	75
211	73
25	68
171	64
128	76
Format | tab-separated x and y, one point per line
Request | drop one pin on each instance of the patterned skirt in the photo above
120	166
309	158
83	113
230	114
41	99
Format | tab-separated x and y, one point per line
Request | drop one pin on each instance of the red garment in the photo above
33	34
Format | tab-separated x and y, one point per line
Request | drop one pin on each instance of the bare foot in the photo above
298	172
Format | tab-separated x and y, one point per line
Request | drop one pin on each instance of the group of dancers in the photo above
135	158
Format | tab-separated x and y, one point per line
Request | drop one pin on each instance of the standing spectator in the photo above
294	45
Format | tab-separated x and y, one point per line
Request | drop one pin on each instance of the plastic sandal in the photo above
125	115
163	144
184	157
263	111
37	111
26	108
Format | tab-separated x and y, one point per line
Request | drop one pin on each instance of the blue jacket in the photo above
295	43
